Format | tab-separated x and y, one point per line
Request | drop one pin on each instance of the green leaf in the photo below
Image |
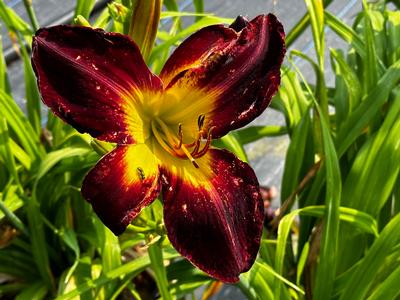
52	158
345	105
363	189
346	33
206	21
358	285
316	11
84	8
20	125
354	217
35	291
326	268
393	36
232	143
31	91
389	288
364	113
4	83
133	267
5	152
253	133
370	69
157	265
257	282
199	7
9	203
172	14
35	220
295	157
14	23
279	277
301	26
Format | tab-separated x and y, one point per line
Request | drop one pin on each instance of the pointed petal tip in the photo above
216	224
88	78
239	23
239	66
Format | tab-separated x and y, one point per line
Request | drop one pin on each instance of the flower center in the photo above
174	145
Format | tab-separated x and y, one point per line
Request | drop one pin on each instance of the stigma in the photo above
174	145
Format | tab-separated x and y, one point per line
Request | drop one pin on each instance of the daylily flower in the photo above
217	80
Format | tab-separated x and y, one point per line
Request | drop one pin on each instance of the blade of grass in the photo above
35	220
253	133
31	90
8	155
206	21
358	285
84	8
157	265
14	23
370	70
131	268
199	7
4	83
31	14
364	113
326	269
316	11
389	288
295	157
20	125
363	189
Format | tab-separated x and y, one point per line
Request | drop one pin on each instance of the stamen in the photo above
190	157
207	145
195	141
162	142
196	148
180	134
200	121
171	140
165	129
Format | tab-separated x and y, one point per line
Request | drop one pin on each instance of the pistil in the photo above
174	144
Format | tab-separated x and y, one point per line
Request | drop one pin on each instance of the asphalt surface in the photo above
267	155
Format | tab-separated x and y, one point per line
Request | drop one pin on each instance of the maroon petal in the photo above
214	214
93	80
238	68
121	184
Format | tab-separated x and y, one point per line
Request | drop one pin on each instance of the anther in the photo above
200	121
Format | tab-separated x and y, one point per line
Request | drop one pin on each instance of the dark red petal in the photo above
240	23
239	70
215	223
121	184
91	79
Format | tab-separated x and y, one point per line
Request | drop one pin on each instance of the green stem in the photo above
13	218
31	14
157	264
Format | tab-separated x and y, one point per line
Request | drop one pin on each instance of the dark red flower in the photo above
217	80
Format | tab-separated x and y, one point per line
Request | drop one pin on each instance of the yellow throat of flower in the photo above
173	143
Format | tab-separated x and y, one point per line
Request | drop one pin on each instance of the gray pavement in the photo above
266	155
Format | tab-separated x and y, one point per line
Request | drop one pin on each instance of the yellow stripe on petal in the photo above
141	163
185	170
184	105
121	184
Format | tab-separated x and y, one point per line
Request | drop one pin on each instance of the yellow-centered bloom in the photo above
217	80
